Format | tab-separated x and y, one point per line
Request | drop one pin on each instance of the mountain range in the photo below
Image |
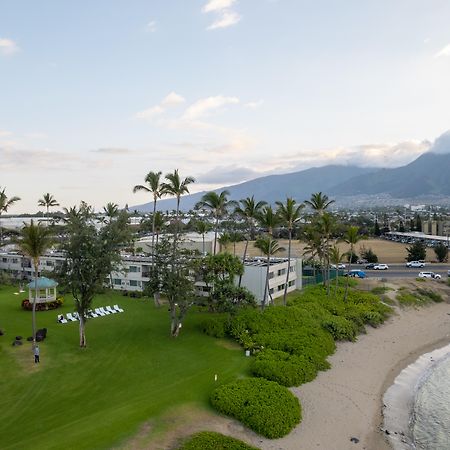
425	179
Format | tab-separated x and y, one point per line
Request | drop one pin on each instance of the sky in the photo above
95	94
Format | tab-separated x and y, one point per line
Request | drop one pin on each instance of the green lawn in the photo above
132	371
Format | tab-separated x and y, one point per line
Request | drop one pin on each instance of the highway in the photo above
401	271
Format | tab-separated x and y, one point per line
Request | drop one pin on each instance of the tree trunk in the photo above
288	268
266	287
215	234
243	261
156	298
348	273
153	232
33	319
82	331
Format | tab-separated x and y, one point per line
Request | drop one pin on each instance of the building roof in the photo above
43	283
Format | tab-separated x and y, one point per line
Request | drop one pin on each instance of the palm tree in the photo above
269	219
154	186
48	201
313	246
159	224
217	204
202	227
351	237
319	202
5	203
326	226
268	246
289	213
336	258
176	187
111	210
249	210
224	240
235	237
34	241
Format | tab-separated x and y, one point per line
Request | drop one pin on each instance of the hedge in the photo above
264	406
208	440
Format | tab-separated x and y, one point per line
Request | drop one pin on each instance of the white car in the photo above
436	276
415	264
340	266
380	267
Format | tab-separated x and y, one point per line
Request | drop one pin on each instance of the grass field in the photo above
387	251
131	372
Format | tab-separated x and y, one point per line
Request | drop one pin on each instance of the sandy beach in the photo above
346	401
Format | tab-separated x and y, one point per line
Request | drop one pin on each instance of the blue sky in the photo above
94	94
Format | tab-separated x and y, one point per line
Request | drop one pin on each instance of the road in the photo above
401	271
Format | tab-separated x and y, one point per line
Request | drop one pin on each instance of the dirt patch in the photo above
23	355
168	432
228	344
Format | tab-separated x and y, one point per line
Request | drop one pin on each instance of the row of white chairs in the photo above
97	312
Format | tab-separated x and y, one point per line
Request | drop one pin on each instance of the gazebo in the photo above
46	290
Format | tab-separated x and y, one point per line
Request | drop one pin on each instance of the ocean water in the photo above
430	427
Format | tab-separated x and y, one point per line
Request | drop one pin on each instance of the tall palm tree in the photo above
319	202
111	210
224	240
313	246
217	204
326	226
159	224
176	187
351	237
5	204
268	246
202	227
269	219
249	210
48	201
33	242
336	258
289	213
154	186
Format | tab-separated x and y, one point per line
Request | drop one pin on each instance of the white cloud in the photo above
8	46
254	105
112	150
217	5
151	27
204	106
172	99
4	133
443	52
149	113
228	19
228	174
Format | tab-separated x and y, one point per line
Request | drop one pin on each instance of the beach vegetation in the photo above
209	440
418	297
380	290
264	406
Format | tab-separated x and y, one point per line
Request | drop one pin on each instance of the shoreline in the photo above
399	399
347	401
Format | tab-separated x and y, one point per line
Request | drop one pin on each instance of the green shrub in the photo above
215	326
341	328
264	406
208	440
284	368
379	290
428	293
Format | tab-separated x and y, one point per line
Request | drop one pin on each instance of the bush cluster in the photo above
264	406
28	306
133	294
215	326
208	440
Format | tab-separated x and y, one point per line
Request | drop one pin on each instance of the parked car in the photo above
415	264
448	273
362	261
436	276
380	267
340	266
370	265
356	273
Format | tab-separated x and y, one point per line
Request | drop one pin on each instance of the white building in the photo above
136	271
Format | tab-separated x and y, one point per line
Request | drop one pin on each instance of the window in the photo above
281	272
292	269
117	281
134	269
49	263
291	283
271	275
4	260
281	287
134	283
271	291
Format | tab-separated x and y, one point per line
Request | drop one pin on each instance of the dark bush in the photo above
208	440
264	406
284	368
215	326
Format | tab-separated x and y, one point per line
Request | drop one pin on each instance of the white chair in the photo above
70	317
112	311
104	311
92	313
76	315
117	308
98	312
61	318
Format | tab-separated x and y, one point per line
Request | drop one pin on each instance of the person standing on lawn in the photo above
36	354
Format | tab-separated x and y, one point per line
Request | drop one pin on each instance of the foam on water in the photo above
411	415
